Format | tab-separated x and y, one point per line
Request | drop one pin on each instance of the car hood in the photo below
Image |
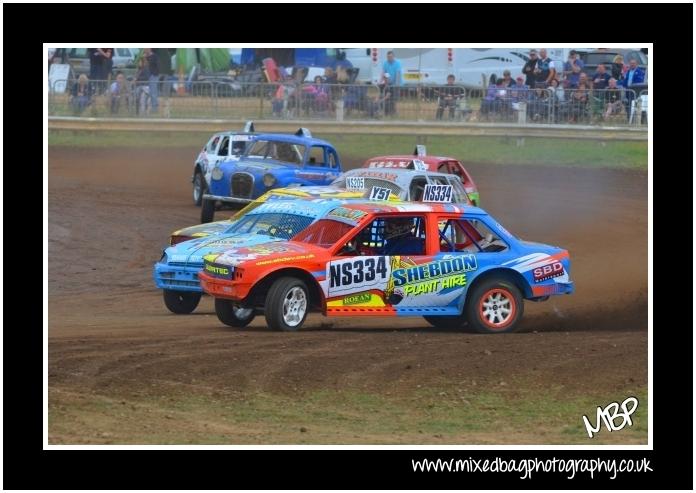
258	166
205	229
268	253
193	251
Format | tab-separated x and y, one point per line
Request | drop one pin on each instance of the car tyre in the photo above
494	306
207	211
230	313
199	187
181	302
287	304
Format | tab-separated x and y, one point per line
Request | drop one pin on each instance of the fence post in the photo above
262	90
339	110
418	102
522	113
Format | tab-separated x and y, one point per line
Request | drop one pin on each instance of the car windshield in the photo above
360	183
279	151
277	225
324	233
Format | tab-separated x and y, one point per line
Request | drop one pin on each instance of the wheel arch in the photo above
257	295
511	275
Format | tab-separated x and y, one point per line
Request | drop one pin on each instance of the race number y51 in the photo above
379	193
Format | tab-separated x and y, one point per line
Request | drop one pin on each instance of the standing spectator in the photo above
545	69
107	63
330	76
600	80
558	99
569	67
488	101
529	69
613	105
142	91
634	75
448	97
118	92
153	66
618	69
95	63
392	67
81	94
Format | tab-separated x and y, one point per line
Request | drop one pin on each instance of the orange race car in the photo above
449	263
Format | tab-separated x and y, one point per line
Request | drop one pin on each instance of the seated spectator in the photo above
330	76
320	94
557	93
613	101
448	97
573	78
488	101
81	94
383	101
356	98
118	92
508	81
142	91
578	102
538	105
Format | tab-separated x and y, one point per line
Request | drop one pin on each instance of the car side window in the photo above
212	145
417	188
392	235
224	146
316	156
470	236
333	162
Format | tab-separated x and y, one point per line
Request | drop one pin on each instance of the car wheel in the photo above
445	322
230	313
494	306
207	211
198	188
287	304
181	302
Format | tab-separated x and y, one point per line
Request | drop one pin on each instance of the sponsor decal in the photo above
241	138
310	176
268	248
355	183
388	164
381	175
548	272
218	270
433	277
437	193
285	259
379	193
357	299
344	213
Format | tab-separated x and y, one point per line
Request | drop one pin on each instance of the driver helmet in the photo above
397	226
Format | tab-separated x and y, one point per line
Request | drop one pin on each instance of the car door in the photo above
321	167
381	272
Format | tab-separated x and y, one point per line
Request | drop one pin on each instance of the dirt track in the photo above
111	210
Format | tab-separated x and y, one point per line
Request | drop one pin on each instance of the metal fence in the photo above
343	102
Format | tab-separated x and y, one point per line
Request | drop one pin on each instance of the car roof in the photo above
399	172
407	207
293	139
429	160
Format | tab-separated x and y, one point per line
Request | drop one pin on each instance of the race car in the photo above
276	220
403	184
222	146
271	161
421	161
450	264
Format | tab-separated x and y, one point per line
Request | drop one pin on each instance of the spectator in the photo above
612	98
584	80
118	92
448	98
488	101
382	100
81	94
578	102
634	75
330	76
573	78
519	92
529	69
153	81
600	79
142	90
569	66
558	98
545	68
392	67
508	81
341	61
388	95
538	106
107	63
618	69
320	95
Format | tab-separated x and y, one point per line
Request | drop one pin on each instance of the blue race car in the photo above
276	221
271	161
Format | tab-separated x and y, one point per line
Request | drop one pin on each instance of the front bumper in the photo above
222	198
222	288
178	277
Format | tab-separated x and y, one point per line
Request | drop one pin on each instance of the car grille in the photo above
242	185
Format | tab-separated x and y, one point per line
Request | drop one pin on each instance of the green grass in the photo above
498	416
488	150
